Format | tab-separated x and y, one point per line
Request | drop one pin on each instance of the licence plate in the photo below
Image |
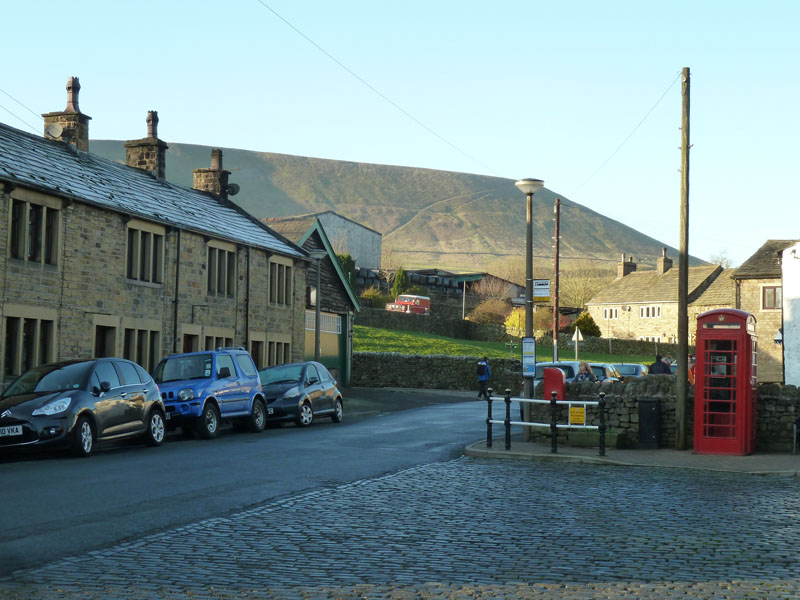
11	430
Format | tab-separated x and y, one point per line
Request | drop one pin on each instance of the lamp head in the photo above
529	186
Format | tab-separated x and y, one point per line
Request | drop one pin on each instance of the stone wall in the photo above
777	405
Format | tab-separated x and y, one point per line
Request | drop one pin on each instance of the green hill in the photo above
428	218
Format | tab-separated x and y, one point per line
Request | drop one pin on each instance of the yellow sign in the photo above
577	415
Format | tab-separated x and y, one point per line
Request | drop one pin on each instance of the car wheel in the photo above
338	412
258	418
156	430
306	416
208	424
82	438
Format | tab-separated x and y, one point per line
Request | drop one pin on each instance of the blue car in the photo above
201	389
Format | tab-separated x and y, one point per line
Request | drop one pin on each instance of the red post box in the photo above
554	381
725	383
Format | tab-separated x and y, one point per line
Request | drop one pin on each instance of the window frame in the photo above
221	262
30	338
34	228
281	281
145	252
777	297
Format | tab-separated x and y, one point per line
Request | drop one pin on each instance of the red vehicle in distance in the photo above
409	303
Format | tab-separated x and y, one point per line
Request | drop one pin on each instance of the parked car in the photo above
603	371
300	392
76	403
201	389
631	369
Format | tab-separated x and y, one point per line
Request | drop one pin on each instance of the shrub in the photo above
490	311
400	282
586	324
372	297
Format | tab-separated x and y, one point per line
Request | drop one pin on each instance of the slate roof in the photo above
291	227
649	286
721	292
765	263
316	215
55	168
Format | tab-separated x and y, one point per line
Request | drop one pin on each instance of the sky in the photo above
585	95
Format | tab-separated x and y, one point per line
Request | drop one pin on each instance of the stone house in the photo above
790	335
759	291
344	235
106	259
337	301
643	305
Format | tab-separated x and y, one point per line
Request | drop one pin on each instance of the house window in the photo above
771	297
649	312
221	271
33	232
611	313
28	342
278	352
145	255
142	346
214	342
280	283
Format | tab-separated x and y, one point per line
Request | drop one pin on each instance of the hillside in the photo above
428	218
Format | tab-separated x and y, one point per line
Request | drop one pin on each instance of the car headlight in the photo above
291	392
186	394
53	408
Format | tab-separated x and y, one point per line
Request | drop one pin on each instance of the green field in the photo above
372	339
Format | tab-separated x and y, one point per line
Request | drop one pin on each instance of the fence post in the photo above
508	419
602	427
553	428
489	419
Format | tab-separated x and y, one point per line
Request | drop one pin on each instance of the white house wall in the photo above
363	244
791	314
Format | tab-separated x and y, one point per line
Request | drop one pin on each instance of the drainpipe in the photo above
175	301
247	305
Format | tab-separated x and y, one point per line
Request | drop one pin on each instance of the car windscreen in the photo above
281	374
178	368
599	372
51	378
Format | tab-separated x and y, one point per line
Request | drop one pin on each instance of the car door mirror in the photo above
224	372
105	386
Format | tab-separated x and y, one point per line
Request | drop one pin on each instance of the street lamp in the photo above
529	187
317	255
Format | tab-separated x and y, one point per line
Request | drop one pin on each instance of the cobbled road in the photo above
467	529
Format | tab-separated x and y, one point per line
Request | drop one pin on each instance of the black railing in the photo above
553	424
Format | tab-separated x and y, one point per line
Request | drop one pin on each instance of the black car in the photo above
299	392
75	403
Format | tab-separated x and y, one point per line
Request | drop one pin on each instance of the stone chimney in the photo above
215	179
663	264
148	154
625	268
70	126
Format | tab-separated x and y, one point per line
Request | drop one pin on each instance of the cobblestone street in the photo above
468	528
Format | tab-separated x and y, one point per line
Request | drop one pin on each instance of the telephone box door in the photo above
725	378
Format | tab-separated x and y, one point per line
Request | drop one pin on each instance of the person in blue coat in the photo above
484	371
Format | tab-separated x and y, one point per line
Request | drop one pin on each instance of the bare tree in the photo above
493	287
582	280
722	259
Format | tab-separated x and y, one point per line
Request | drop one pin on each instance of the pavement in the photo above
764	463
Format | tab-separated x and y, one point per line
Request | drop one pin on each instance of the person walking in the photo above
484	371
585	372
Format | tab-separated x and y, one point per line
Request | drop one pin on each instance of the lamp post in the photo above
529	187
317	255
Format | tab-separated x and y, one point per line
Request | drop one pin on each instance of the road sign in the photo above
577	336
541	290
528	357
577	415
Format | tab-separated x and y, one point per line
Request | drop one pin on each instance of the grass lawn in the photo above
372	339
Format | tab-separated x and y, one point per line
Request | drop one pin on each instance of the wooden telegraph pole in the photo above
554	291
682	387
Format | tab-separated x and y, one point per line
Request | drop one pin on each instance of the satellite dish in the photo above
53	131
233	189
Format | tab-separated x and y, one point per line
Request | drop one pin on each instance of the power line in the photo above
630	135
35	114
16	116
376	91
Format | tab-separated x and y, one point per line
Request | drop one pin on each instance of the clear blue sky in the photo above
519	88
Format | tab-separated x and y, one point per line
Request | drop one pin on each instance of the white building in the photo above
790	263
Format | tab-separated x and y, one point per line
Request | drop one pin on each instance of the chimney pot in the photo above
152	124
216	159
73	87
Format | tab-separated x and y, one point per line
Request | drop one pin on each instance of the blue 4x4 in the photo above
202	388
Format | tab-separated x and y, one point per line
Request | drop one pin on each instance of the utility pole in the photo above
557	212
682	387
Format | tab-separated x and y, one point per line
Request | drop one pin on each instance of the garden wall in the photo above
777	405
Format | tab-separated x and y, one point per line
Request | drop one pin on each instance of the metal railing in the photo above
553	425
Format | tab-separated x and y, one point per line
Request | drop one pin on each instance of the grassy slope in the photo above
428	218
372	339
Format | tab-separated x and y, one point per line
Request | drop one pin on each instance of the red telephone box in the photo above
725	383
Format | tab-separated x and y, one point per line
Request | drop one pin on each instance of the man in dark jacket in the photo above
659	367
